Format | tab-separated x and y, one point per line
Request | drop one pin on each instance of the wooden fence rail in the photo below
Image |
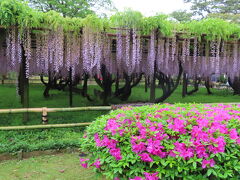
45	112
44	126
38	110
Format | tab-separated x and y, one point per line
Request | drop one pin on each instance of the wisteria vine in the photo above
126	52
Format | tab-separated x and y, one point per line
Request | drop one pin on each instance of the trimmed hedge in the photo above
182	141
39	140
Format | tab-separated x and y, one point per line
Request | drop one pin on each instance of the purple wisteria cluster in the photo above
128	52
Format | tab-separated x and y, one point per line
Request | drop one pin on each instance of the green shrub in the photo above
37	140
180	141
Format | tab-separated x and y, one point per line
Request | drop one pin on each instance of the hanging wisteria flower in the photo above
151	55
28	50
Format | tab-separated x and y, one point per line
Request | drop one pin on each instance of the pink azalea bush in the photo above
183	141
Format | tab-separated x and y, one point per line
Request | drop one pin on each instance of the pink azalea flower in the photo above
148	121
142	129
98	140
138	148
171	153
202	122
219	145
137	116
157	116
116	152
97	164
127	121
238	141
160	126
126	108
160	136
145	157
118	116
83	163
233	134
112	126
121	132
139	125
200	150
137	178
218	126
163	109
109	143
196	131
210	162
153	128
151	176
154	147
178	126
183	150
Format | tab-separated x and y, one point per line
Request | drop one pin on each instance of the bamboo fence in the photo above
45	126
39	110
45	112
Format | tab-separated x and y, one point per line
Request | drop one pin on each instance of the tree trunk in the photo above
235	85
184	85
167	84
46	91
48	85
24	86
117	83
70	88
105	84
146	84
3	78
196	86
152	88
207	85
130	82
85	88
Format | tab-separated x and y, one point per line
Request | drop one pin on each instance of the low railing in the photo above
45	112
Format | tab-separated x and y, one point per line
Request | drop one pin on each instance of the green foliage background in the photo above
16	13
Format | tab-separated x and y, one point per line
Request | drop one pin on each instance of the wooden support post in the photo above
146	84
152	88
70	88
117	83
44	116
184	85
24	84
3	78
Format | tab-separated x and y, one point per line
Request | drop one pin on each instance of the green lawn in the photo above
58	167
65	166
9	99
31	140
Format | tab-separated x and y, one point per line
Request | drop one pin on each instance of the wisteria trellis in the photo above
85	53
